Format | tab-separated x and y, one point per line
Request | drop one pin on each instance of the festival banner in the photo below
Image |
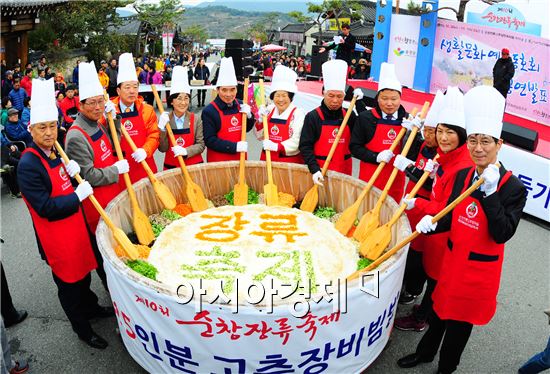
465	54
403	46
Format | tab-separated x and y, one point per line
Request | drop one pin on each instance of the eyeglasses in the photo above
485	142
94	104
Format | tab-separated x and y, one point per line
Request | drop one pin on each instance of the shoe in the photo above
19	317
95	341
412	360
103	312
410	323
406	298
21	366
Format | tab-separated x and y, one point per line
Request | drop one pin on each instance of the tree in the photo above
196	33
414	9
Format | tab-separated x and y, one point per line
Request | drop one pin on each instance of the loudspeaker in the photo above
520	136
317	59
238	43
241	59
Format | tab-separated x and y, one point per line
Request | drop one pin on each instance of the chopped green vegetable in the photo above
170	214
253	197
157	229
363	263
144	268
324	212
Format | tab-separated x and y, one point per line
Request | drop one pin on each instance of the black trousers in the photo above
201	97
9	313
455	335
111	90
79	303
426	305
415	276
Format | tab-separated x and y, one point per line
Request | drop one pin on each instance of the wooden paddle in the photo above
373	246
270	189
309	203
371	220
140	222
348	217
163	193
413	236
118	234
192	190
240	191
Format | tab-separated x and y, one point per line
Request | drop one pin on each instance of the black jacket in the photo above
503	72
345	49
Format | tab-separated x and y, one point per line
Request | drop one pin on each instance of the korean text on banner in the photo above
403	46
465	54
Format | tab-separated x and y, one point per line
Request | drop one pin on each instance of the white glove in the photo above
72	168
318	178
409	202
402	162
263	111
83	190
122	166
242	146
431	166
164	119
109	108
491	177
359	93
416	121
139	155
270	146
384	156
425	225
245	108
179	151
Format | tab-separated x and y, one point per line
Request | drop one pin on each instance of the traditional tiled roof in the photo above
12	8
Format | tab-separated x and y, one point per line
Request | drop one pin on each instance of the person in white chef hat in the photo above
321	125
222	118
478	227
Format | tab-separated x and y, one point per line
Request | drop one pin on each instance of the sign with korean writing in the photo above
167	38
332	25
403	46
165	335
534	172
465	54
504	16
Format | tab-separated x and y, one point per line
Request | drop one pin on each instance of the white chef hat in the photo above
334	75
484	107
226	76
388	79
126	69
452	109
433	115
43	107
88	81
284	79
180	81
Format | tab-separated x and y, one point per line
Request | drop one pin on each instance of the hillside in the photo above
221	22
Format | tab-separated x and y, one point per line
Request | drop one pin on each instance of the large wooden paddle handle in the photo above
339	135
242	156
92	198
143	163
266	135
413	236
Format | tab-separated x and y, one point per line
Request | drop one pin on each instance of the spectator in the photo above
167	76
10	160
3	69
202	73
70	107
361	72
29	66
26	113
17	96
48	73
42	63
6	105
103	78
16	71
112	72
15	129
7	83
59	83
503	72
159	65
75	74
26	82
268	71
41	74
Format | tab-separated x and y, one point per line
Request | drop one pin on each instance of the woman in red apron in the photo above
186	127
284	119
478	227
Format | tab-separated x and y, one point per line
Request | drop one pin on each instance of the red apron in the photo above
184	137
467	289
386	132
103	157
415	215
65	242
279	130
230	129
341	160
133	123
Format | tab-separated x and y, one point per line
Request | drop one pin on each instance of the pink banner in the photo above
464	56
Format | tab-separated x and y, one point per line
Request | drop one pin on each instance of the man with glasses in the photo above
89	143
503	72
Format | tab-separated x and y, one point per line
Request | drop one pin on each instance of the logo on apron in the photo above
472	210
63	174
128	125
274	130
334	133
180	142
421	164
234	121
103	146
392	134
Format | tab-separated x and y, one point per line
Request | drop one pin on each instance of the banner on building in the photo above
403	46
504	16
465	54
332	25
167	38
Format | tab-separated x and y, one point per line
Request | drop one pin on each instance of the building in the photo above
296	37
